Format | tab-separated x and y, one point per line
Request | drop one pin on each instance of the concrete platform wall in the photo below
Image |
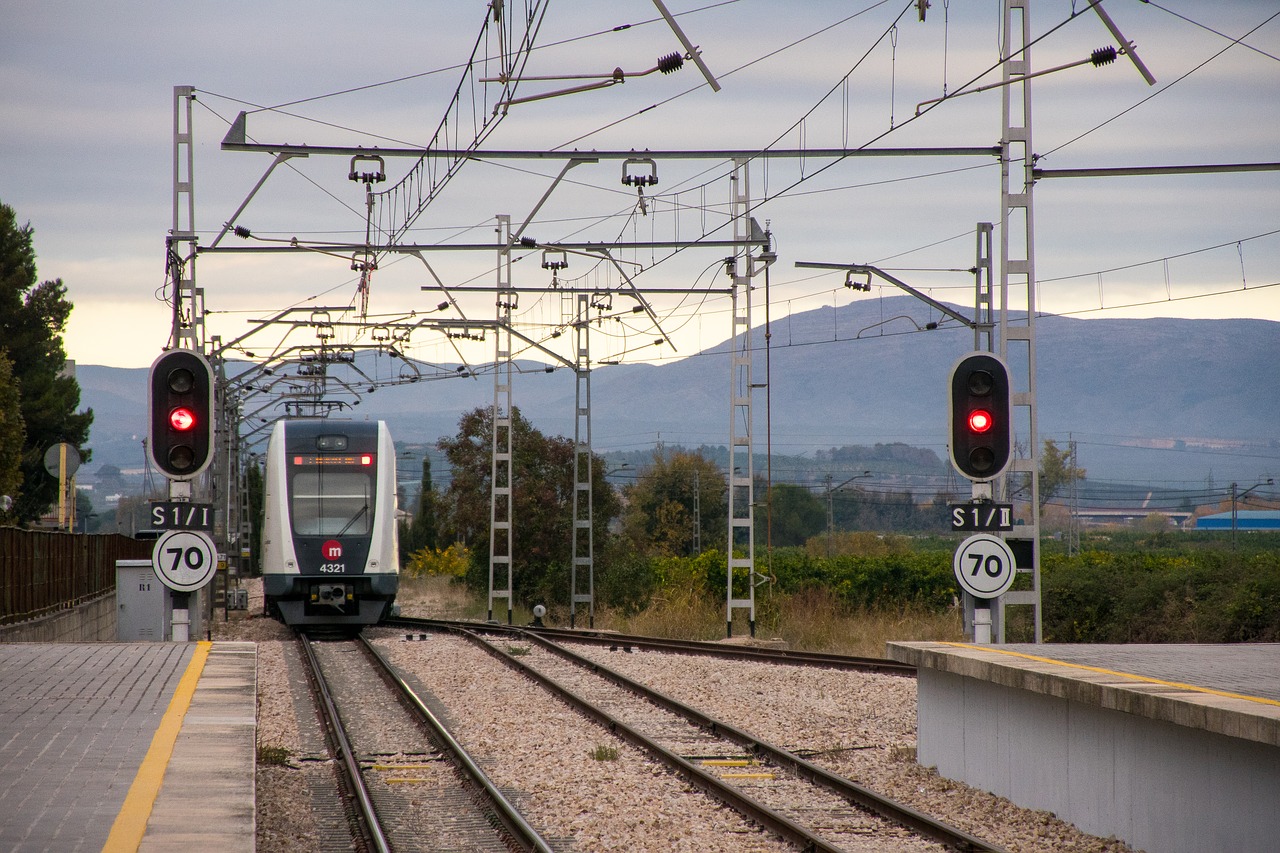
92	621
1160	787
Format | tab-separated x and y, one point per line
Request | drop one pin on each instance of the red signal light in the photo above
366	459
980	420
182	419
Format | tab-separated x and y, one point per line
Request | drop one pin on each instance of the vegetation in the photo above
420	533
838	590
451	562
275	756
12	433
678	505
33	318
1163	587
1056	471
542	498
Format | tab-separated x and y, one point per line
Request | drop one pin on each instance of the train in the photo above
330	551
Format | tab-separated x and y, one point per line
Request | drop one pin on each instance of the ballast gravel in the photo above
563	773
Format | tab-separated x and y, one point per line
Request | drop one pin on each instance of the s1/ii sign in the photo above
984	566
981	515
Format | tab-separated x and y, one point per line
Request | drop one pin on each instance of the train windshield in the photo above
332	503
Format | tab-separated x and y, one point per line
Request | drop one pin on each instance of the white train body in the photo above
329	542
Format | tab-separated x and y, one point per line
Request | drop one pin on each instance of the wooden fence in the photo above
43	571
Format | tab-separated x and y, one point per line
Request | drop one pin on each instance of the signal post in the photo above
981	446
180	442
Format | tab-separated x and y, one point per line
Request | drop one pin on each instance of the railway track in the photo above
694	647
794	799
385	741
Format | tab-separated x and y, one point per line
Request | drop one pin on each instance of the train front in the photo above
329	528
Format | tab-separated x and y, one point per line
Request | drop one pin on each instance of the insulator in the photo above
631	179
670	62
242	232
1103	56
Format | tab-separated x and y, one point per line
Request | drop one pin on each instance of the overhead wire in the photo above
1159	91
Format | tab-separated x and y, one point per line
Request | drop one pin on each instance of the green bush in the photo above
1182	596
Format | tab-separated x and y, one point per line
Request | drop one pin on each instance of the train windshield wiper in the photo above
353	520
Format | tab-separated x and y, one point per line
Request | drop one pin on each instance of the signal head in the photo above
181	414
981	416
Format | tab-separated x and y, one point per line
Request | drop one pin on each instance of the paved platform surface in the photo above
127	746
1227	689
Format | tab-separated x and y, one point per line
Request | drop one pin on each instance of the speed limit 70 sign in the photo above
184	560
984	566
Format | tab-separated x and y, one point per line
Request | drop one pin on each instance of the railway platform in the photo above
1170	748
127	746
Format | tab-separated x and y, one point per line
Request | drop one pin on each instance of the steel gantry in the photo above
741	266
1017	282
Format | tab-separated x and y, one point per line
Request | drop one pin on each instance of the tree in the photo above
12	433
421	530
1056	471
797	514
33	318
661	514
542	501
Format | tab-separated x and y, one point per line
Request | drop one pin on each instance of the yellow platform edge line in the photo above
131	822
1103	671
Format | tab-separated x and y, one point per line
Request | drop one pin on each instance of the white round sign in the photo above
984	566
184	560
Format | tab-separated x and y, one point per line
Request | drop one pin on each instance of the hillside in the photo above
1147	400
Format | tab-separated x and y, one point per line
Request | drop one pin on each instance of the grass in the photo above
604	753
810	621
813	620
276	756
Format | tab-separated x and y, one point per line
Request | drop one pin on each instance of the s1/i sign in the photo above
981	416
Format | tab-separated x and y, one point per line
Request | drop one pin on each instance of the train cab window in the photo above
332	503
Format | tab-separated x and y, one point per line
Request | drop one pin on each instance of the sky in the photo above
87	140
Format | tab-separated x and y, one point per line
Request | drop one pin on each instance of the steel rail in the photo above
694	647
509	816
886	807
696	776
367	815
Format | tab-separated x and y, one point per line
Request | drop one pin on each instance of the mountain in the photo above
1146	400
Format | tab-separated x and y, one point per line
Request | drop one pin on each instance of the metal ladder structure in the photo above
582	555
741	591
1018	283
188	300
501	521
